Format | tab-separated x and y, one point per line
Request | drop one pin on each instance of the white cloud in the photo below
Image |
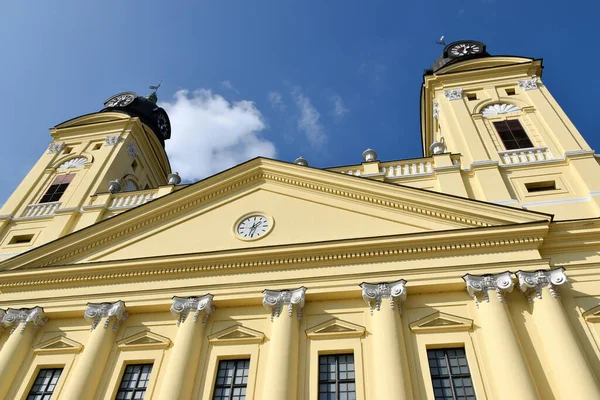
229	86
308	120
211	134
276	101
339	109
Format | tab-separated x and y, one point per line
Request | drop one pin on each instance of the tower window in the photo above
134	165
134	382
510	91
533	187
472	96
44	384
21	239
58	187
97	146
450	374
512	134
67	150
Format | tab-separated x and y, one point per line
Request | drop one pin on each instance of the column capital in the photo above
374	293
529	84
96	311
500	283
34	316
530	282
274	300
182	306
453	94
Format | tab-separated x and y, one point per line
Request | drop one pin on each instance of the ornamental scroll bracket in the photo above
534	282
529	84
374	293
25	316
453	94
274	300
96	311
500	283
111	140
182	306
55	148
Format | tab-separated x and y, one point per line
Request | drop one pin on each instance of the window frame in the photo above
60	178
233	385
45	392
450	376
133	355
337	381
506	122
135	389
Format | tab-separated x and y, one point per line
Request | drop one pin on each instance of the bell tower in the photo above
98	155
517	146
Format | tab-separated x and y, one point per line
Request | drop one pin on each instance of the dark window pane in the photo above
44	384
134	382
512	134
232	379
336	377
452	379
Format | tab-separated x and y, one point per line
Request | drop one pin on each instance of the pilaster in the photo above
573	377
505	355
183	358
391	378
282	360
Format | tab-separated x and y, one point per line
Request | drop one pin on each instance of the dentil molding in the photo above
182	306
534	282
274	300
500	283
374	293
96	311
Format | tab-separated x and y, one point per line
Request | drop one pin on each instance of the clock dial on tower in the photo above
468	48
253	227
120	100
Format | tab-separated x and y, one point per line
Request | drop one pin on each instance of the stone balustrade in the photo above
41	209
131	199
521	156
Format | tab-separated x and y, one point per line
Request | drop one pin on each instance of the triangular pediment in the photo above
592	315
58	345
144	340
236	334
335	329
441	322
302	205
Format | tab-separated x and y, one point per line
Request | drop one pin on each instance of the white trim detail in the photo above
497	109
453	94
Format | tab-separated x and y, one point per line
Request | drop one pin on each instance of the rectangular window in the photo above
450	374
512	134
134	382
44	384
58	187
232	380
336	377
533	187
21	239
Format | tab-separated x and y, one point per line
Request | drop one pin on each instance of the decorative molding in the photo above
73	163
25	316
529	84
274	300
144	340
439	322
500	283
497	109
58	345
453	94
132	150
111	140
55	148
530	282
436	109
182	306
374	293
96	311
335	329
592	315
236	334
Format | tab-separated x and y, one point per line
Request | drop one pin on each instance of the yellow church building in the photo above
471	272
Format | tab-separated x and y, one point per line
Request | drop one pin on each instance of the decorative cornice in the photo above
182	306
34	316
529	84
500	283
453	94
111	140
96	311
374	293
530	282
274	300
55	148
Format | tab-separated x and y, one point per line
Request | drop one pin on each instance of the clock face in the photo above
162	121
120	100
253	227
465	49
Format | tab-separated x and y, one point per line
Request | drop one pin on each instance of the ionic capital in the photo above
182	306
96	311
374	293
274	300
25	316
499	283
530	282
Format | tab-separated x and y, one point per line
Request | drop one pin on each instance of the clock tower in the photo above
97	156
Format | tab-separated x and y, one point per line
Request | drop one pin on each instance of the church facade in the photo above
469	273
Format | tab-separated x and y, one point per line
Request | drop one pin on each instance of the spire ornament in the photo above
274	300
374	293
182	306
96	311
534	282
25	316
500	283
152	96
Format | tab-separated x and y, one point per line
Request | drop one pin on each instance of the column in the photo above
18	343
183	359
391	378
282	361
572	375
83	382
505	355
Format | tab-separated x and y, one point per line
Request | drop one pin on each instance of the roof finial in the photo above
152	96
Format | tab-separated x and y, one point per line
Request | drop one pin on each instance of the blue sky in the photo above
320	78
